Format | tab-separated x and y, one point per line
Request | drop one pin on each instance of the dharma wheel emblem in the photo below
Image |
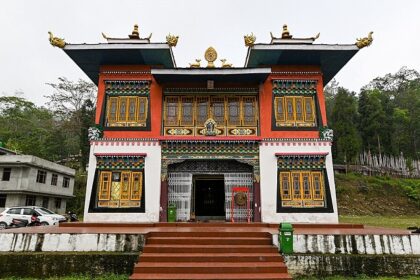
210	55
240	198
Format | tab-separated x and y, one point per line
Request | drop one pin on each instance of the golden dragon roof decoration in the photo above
364	42
55	41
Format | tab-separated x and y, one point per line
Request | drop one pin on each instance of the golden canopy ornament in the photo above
249	39
364	42
172	40
210	55
55	41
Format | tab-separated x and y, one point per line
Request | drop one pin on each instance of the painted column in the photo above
257	202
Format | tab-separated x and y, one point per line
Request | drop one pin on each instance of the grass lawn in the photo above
383	221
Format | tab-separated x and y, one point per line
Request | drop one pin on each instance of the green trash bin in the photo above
171	213
286	238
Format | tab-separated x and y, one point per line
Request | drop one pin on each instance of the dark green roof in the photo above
331	58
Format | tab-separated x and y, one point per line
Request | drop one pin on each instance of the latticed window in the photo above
127	103
294	103
127	111
234	111
187	114
249	108
301	181
218	109
120	181
171	111
202	110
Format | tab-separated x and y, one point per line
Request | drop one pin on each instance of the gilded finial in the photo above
196	64
135	34
249	39
55	41
286	34
364	42
171	40
225	65
210	55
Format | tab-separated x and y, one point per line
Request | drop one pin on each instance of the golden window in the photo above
301	188
127	111
119	189
249	109
187	114
234	112
218	109
202	110
171	111
294	111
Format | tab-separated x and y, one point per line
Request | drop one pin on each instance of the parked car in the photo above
46	217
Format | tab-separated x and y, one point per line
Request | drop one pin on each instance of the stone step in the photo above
166	248
221	233
205	276
210	240
211	257
210	267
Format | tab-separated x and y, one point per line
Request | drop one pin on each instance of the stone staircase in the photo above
209	254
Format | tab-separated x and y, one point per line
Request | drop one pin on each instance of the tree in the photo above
344	123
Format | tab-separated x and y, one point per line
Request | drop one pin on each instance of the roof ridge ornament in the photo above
133	38
249	39
55	41
172	40
210	55
195	64
287	38
364	42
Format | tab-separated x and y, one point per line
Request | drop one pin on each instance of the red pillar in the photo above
163	217
257	202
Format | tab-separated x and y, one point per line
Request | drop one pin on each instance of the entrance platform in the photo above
136	228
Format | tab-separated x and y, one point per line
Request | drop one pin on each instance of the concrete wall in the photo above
152	171
268	172
355	244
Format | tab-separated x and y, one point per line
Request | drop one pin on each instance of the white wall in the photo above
268	173
152	171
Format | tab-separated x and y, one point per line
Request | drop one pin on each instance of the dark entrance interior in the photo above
209	198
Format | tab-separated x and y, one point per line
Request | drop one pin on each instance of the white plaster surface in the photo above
152	173
359	244
268	181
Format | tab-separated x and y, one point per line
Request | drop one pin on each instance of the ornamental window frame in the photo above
302	183
127	105
295	105
119	184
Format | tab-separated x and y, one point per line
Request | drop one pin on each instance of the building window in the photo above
30	200
294	103
41	176
186	115
301	181
54	179
3	198
302	188
120	188
126	111
45	202
127	103
66	182
57	203
6	174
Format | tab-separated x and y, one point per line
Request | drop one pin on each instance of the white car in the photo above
46	217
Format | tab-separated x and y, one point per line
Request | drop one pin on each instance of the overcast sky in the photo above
28	61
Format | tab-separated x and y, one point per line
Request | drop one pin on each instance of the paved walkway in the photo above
126	228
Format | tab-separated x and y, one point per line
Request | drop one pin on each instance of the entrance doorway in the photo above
209	198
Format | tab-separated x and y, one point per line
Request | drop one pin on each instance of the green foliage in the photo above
77	277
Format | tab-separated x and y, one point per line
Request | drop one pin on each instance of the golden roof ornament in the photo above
225	65
195	64
210	55
287	38
134	37
249	39
171	40
364	42
285	34
55	41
